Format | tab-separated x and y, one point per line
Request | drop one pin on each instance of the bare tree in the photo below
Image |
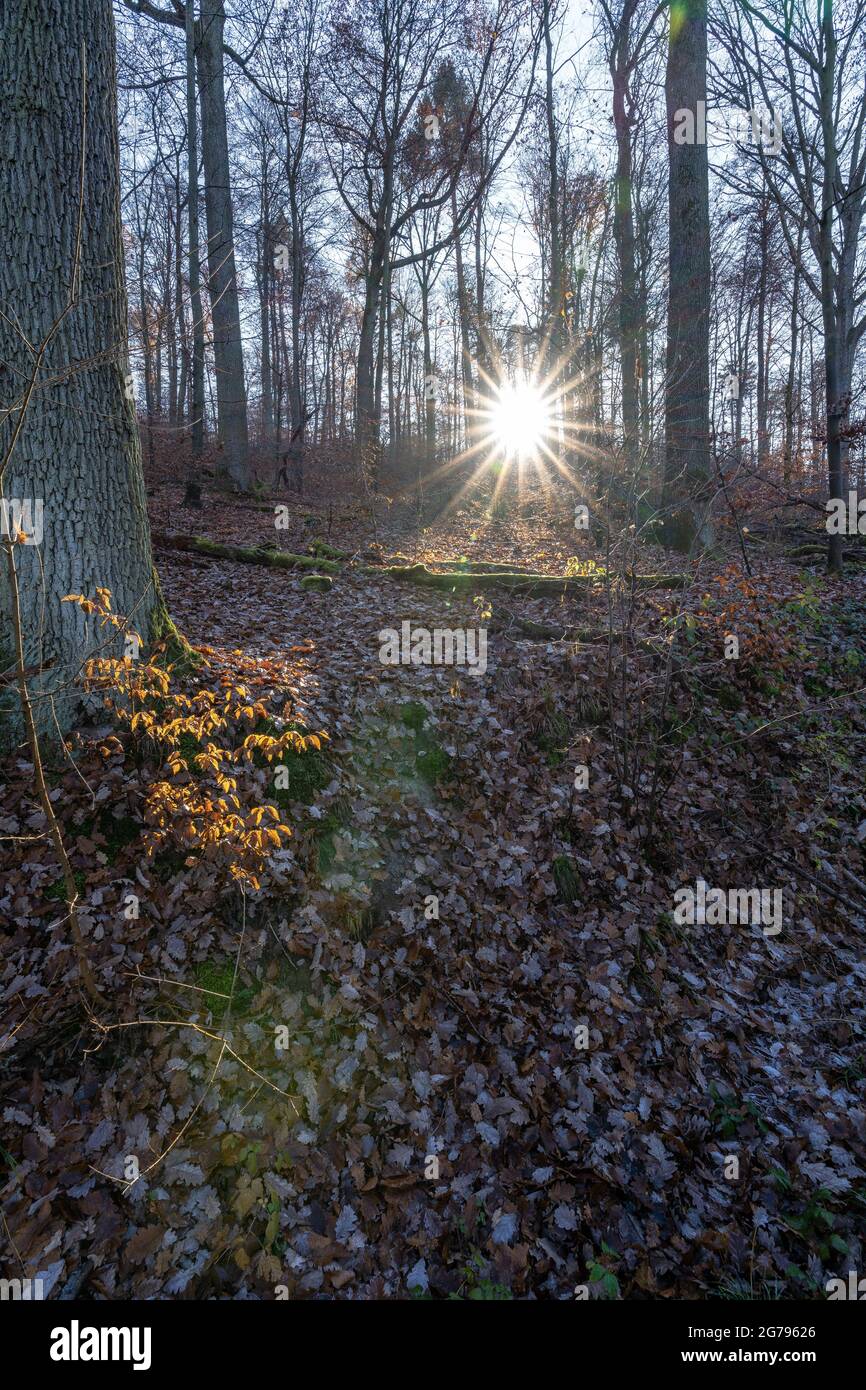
687	385
805	71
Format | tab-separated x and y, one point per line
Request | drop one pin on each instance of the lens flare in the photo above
520	419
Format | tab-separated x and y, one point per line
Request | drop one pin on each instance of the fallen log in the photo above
800	551
326	551
525	582
483	567
245	555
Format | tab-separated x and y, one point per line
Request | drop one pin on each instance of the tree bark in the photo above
623	231
197	374
222	275
555	287
77	446
687	386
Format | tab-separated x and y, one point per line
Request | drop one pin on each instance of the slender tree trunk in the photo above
197	373
222	277
380	340
687	387
265	278
465	341
430	383
144	316
762	352
297	407
793	352
624	236
834	383
555	285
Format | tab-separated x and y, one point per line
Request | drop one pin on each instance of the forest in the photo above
432	653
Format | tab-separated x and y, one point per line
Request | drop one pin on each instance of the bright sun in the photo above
520	419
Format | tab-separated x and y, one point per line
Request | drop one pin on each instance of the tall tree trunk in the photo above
297	404
469	404
793	353
144	316
266	252
624	236
78	446
555	287
687	385
196	405
222	276
385	296
430	382
365	375
197	375
763	346
834	375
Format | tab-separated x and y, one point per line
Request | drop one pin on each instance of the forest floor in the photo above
469	1049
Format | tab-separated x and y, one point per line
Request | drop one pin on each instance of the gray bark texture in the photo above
687	389
222	274
78	448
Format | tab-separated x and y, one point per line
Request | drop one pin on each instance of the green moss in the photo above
413	715
566	878
170	646
330	552
326	832
308	773
218	976
319	583
422	755
57	891
433	763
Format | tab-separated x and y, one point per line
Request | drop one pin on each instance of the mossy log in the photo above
245	555
801	551
520	582
484	567
330	552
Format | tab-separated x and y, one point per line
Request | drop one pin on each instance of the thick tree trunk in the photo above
687	386
78	446
368	442
222	277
